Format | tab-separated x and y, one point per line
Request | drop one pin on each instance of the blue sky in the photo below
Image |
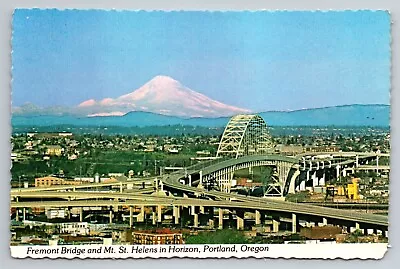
256	60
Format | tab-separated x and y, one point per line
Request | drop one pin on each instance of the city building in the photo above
54	150
157	237
321	233
54	213
74	228
50	181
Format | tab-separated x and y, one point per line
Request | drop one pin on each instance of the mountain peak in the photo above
163	79
162	95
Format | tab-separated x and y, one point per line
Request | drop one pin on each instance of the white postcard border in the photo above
303	251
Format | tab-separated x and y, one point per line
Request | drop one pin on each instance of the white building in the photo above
53	213
74	228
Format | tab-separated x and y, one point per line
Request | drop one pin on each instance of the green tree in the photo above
218	237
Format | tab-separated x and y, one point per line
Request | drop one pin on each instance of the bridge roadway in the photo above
220	199
344	154
175	201
173	179
82	186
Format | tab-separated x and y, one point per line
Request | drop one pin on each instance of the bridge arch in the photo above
245	135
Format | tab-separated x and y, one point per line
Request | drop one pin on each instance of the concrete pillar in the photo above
192	210
294	223
159	214
154	217
324	221
175	212
23	214
308	175
161	186
211	223
239	220
201	177
220	218
16	214
120	187
314	179
258	217
275	226
337	171
377	163
293	181
81	214
130	216
140	217
357	226
201	209
302	185
357	161
196	220
190	180
116	207
322	179
111	216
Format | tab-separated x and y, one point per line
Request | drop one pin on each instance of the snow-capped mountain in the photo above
161	95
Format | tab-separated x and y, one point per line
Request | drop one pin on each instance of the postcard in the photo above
152	134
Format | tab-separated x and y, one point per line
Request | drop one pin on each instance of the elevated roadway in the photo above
210	198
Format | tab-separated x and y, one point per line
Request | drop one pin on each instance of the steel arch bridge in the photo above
245	135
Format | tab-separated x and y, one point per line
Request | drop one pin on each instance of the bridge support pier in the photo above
314	179
192	210
201	209
324	221
220	218
303	185
140	217
196	220
16	214
294	223
175	212
190	180
130	216
159	214
239	219
292	184
211	224
23	214
81	214
275	225
258	217
322	179
154	216
111	217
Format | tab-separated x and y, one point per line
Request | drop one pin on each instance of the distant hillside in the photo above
348	115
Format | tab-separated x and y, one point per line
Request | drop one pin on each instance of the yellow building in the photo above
352	189
48	181
54	150
51	181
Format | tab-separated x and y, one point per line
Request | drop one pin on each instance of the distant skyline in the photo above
254	60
